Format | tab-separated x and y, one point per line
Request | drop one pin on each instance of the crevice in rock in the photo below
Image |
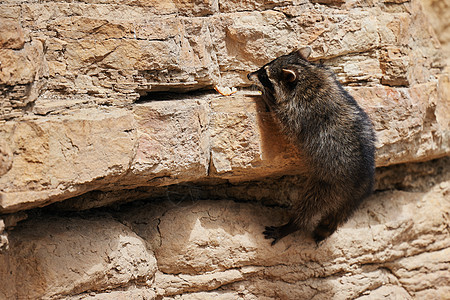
389	271
173	93
132	284
415	177
272	192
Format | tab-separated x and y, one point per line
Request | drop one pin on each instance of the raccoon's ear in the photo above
289	75
305	52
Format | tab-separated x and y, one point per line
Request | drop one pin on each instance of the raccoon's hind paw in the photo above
272	232
278	232
326	227
318	239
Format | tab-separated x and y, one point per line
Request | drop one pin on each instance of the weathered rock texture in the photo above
72	75
106	102
395	247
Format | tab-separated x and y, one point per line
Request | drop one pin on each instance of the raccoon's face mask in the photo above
280	76
262	81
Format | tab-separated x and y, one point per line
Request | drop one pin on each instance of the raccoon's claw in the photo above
278	232
272	232
318	239
318	242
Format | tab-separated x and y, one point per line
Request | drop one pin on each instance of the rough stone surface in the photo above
396	246
81	64
68	154
439	17
105	102
12	36
23	70
71	256
174	141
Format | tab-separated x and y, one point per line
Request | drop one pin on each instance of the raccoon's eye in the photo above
264	79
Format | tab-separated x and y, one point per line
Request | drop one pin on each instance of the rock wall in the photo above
108	102
395	247
85	90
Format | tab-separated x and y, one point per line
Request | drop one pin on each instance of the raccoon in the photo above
334	135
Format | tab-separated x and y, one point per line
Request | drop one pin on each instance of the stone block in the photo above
62	156
79	256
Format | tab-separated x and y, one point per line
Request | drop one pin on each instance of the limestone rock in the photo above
202	138
101	59
395	245
420	124
123	294
82	255
106	102
6	157
23	70
211	43
65	155
438	13
11	35
246	142
173	142
225	241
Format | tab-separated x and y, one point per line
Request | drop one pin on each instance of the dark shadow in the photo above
166	96
274	142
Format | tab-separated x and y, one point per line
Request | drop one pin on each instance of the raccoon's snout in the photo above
251	76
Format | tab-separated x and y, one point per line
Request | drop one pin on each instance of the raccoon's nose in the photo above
248	76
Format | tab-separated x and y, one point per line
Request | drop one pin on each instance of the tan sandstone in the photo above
108	102
397	244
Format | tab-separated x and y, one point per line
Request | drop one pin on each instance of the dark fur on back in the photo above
333	133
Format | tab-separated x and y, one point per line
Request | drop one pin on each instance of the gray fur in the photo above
334	135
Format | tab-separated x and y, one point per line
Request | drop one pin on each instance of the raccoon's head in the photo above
279	79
